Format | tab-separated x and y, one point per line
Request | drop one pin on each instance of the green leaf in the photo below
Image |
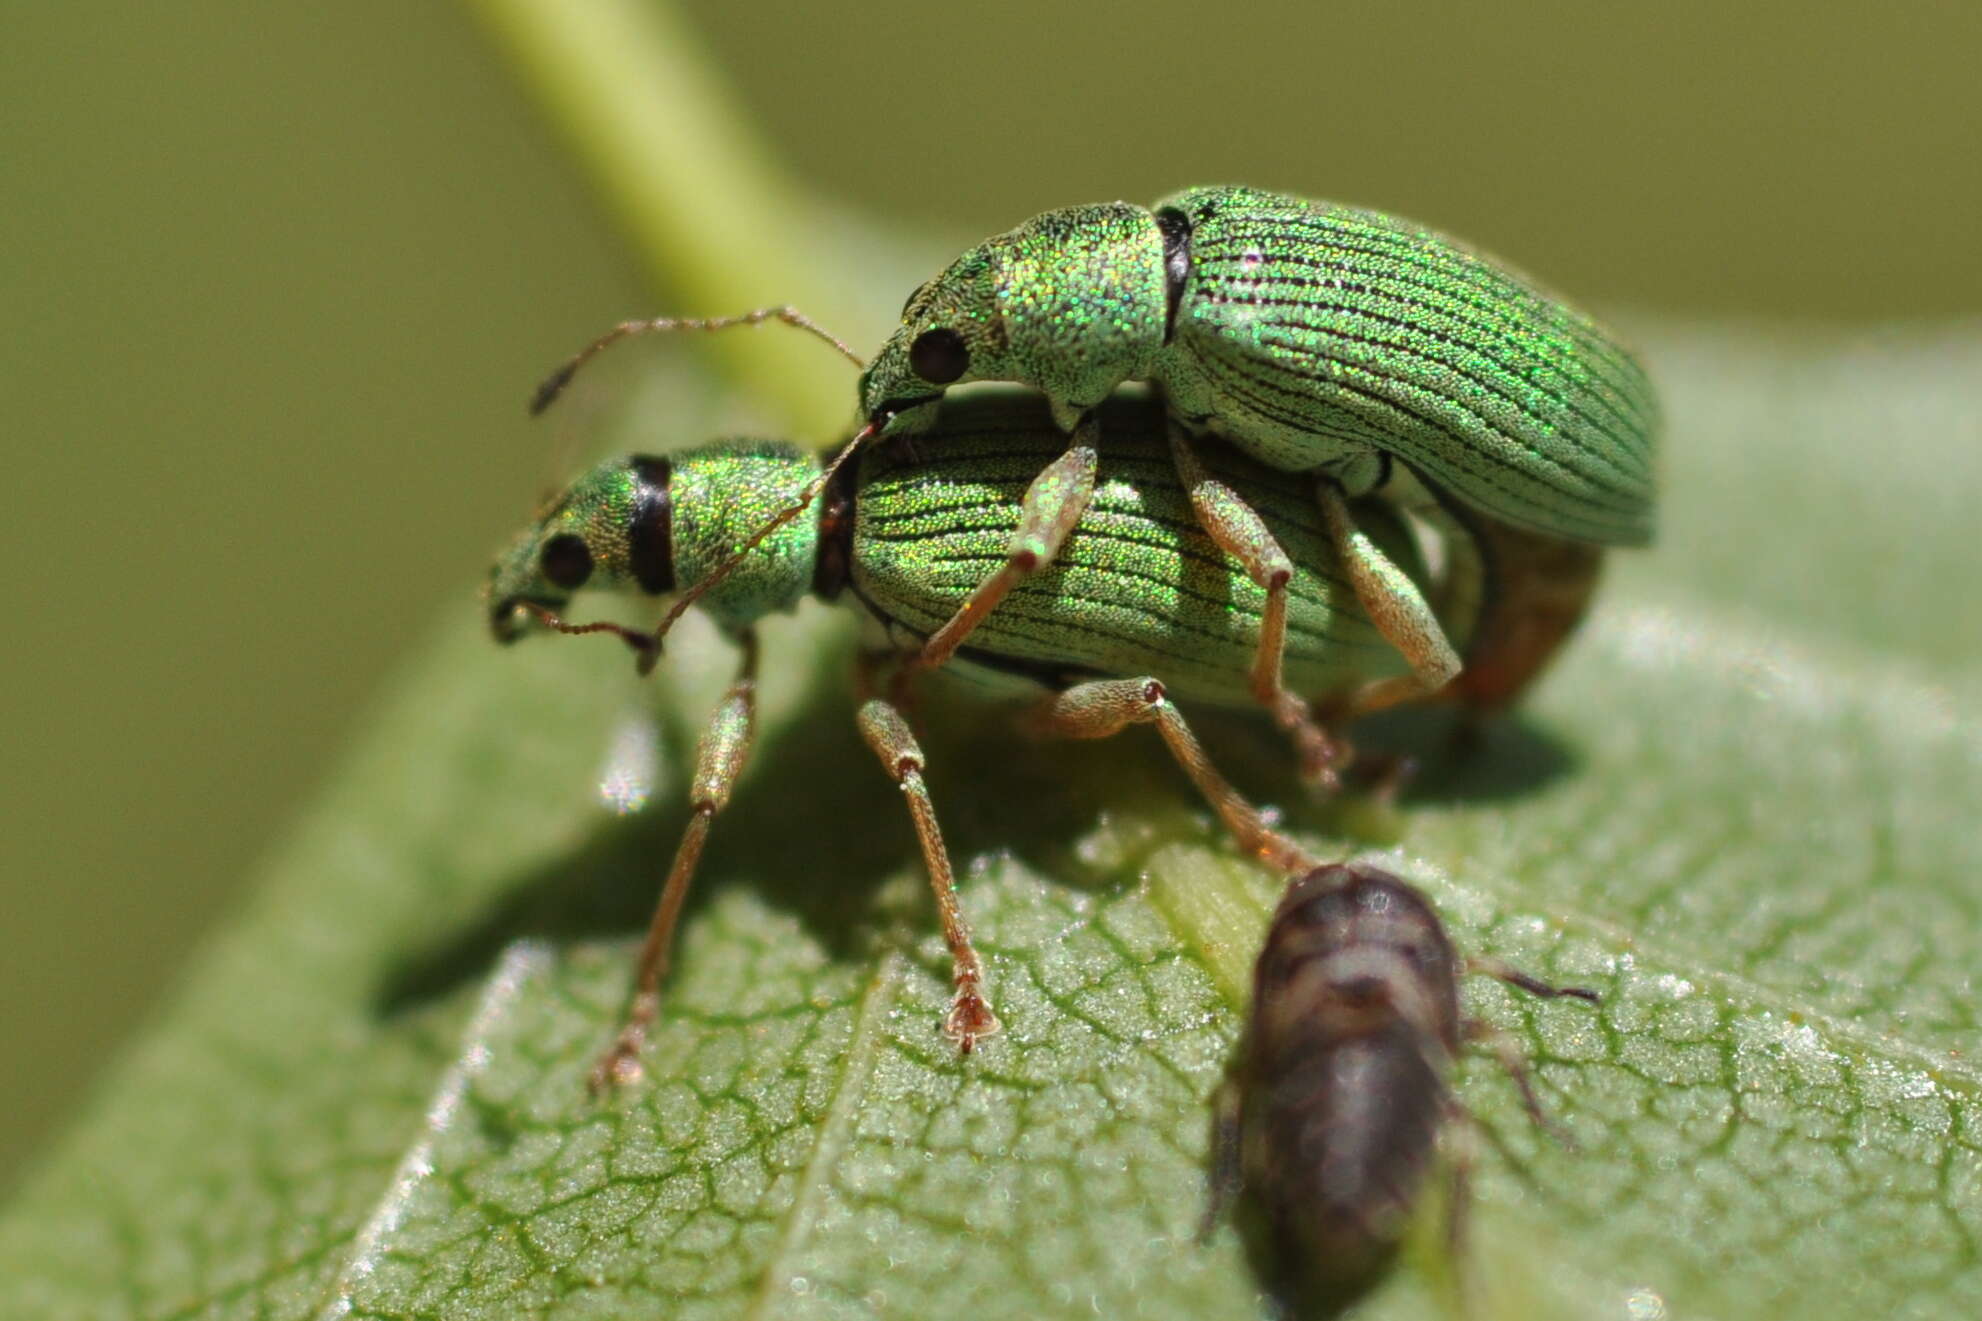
1743	809
1751	828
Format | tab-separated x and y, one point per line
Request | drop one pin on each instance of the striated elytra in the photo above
1141	604
1314	336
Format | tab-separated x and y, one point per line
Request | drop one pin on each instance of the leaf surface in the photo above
1743	809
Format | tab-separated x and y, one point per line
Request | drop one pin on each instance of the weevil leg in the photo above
886	732
879	669
1221	1184
1516	1064
1513	976
1458	1205
719	760
1241	533
1052	505
1106	707
1508	1053
1395	605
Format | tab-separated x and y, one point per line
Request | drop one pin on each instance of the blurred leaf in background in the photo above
1743	809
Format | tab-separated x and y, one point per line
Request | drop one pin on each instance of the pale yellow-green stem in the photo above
700	195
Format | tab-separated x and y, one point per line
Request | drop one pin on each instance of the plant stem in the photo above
702	197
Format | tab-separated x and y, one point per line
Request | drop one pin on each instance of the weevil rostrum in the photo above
1331	1120
1142	607
1366	350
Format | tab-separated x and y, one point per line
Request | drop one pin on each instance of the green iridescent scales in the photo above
1138	588
720	495
1316	337
1303	320
719	499
1142	605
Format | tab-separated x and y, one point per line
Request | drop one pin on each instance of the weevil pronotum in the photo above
1346	343
1141	606
1332	1117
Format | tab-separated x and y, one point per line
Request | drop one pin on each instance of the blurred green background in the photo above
279	278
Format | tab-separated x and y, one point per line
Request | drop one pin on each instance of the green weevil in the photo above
1332	1116
1141	606
1365	349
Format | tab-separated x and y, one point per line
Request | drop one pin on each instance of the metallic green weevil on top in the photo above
1365	349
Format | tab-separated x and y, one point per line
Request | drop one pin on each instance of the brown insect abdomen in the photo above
1337	1151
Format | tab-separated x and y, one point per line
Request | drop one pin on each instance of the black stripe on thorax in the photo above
838	505
650	532
1175	227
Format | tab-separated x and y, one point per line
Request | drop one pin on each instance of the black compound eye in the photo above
566	561
939	356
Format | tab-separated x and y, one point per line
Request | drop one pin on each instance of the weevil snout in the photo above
508	620
503	622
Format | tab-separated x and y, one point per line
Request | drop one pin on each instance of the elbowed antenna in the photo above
646	646
553	386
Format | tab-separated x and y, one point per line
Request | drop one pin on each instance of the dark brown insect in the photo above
1331	1120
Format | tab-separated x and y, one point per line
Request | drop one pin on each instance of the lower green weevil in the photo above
1140	608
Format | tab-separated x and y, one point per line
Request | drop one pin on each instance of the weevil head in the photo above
648	527
610	530
1071	303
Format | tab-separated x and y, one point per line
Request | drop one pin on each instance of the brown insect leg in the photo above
1241	533
719	760
1108	706
1394	603
970	1015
